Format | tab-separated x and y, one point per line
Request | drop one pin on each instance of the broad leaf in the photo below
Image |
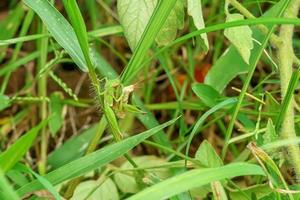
4	102
103	191
240	37
174	22
207	94
135	14
127	183
56	107
207	155
195	11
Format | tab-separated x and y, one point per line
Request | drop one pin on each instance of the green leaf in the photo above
156	22
272	105
72	149
270	135
72	46
240	37
149	121
207	94
207	155
4	102
56	107
230	64
60	29
201	120
135	14
104	191
78	24
15	152
93	161
42	180
6	190
196	178
9	26
127	183
259	190
195	11
227	67
174	22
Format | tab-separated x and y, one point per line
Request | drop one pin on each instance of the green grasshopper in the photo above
115	103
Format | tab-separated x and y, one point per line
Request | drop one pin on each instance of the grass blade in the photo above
60	29
7	192
153	27
14	153
93	160
204	116
196	178
41	179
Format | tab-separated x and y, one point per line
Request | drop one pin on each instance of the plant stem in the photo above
285	59
42	92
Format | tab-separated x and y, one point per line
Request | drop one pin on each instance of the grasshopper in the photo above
115	103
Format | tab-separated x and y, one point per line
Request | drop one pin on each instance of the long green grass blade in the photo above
60	29
79	28
10	26
196	178
93	161
7	192
288	98
48	186
204	116
14	153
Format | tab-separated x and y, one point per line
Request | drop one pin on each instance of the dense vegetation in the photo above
152	99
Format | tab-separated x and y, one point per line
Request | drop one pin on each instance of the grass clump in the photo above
186	96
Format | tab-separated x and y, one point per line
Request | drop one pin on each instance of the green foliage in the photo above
232	62
60	29
7	191
240	37
207	156
16	151
92	161
56	106
96	190
127	184
196	178
207	94
134	16
143	63
4	101
195	11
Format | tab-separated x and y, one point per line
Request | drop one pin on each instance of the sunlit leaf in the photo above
195	11
240	37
